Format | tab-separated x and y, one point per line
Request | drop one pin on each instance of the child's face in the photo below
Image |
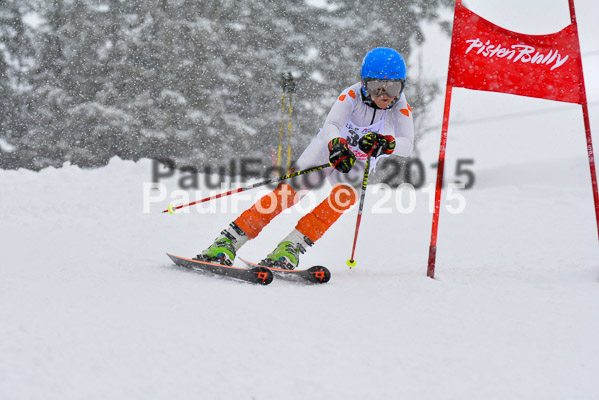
383	100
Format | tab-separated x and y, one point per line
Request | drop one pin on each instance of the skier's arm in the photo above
337	117
403	128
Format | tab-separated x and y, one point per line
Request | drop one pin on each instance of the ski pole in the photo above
288	86
171	209
284	86
290	89
351	262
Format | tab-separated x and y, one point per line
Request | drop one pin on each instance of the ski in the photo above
257	274
315	274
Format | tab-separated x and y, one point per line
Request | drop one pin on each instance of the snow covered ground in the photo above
91	307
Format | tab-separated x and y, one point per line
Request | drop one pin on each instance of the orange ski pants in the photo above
312	225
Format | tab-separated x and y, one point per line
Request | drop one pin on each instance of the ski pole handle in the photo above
171	209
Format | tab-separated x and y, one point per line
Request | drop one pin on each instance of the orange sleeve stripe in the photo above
352	94
342	97
405	112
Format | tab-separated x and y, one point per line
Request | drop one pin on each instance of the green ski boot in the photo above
225	247
285	256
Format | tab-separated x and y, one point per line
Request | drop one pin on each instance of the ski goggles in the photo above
391	88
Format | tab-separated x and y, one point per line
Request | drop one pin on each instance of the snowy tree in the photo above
193	81
15	50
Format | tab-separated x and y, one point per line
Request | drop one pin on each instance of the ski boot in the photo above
225	246
286	254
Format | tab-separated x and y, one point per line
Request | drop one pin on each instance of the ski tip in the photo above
174	257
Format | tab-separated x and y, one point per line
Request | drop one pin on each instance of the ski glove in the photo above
374	144
340	156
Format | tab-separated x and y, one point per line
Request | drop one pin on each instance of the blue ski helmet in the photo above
383	63
383	71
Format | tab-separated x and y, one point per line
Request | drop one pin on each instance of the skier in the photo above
370	118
